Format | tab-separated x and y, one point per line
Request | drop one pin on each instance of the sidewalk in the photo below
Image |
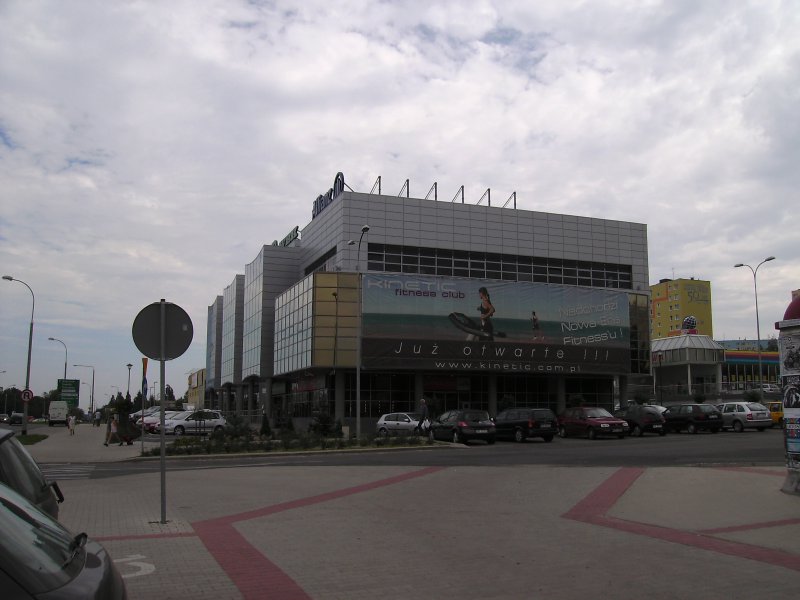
85	446
354	533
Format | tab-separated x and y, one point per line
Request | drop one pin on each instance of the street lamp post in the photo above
364	230
66	354
129	365
91	400
758	326
30	343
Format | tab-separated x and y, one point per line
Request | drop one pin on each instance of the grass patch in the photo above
30	439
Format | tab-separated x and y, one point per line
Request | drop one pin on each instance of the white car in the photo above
193	421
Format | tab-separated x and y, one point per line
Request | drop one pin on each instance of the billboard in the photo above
441	323
69	390
789	345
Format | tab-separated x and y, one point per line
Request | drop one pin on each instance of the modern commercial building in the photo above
195	392
381	300
672	300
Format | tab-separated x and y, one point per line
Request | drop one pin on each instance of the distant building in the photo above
196	392
673	300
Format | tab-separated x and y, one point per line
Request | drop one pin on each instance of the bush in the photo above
752	396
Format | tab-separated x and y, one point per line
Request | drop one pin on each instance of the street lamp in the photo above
129	365
91	401
758	326
66	354
30	343
364	230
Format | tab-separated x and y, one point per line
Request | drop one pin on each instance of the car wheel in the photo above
457	438
490	441
562	432
519	436
760	428
218	428
592	434
662	433
548	438
738	427
431	437
691	428
416	431
179	430
637	431
383	432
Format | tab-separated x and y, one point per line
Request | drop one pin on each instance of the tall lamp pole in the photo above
758	326
91	401
129	365
30	343
66	354
364	230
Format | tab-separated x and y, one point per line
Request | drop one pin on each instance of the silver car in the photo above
193	421
398	423
745	415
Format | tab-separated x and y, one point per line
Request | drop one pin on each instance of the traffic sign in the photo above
176	327
27	395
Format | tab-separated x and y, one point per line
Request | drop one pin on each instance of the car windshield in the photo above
181	416
474	416
597	413
756	406
34	547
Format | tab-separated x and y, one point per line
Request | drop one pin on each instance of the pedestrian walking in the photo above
71	424
97	416
424	421
113	427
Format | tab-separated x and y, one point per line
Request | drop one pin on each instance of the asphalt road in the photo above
750	448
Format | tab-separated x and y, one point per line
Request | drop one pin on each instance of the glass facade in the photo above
486	265
231	364
293	329
252	314
213	344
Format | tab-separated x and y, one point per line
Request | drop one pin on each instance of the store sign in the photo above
439	323
324	200
290	237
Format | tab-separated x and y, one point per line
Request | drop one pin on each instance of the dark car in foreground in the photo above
462	426
40	559
519	424
20	472
590	421
642	419
693	418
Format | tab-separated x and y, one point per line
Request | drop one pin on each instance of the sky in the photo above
149	149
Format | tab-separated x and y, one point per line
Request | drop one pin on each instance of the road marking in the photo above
134	560
60	472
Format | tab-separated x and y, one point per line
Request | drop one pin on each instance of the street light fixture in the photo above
129	365
758	326
30	343
364	230
66	354
91	401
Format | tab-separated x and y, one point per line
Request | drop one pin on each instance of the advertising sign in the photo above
789	345
440	323
69	390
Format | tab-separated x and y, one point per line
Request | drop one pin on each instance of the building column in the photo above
561	395
338	395
623	391
689	378
419	388
719	379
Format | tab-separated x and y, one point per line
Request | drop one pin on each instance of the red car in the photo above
590	421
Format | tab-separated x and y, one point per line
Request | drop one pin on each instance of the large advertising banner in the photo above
440	323
789	345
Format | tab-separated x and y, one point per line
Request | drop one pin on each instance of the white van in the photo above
57	412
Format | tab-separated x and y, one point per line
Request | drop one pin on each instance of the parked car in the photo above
745	415
462	426
20	472
591	421
4	418
398	423
642	419
693	418
775	409
16	418
519	424
40	558
770	388
198	422
151	421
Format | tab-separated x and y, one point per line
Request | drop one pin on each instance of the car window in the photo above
502	415
20	471
597	413
729	408
475	416
756	406
706	408
543	414
34	546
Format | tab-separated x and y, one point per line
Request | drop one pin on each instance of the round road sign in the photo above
177	326
27	395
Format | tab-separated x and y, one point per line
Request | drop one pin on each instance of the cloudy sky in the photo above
149	149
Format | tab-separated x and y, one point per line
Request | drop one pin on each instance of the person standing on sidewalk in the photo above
71	424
